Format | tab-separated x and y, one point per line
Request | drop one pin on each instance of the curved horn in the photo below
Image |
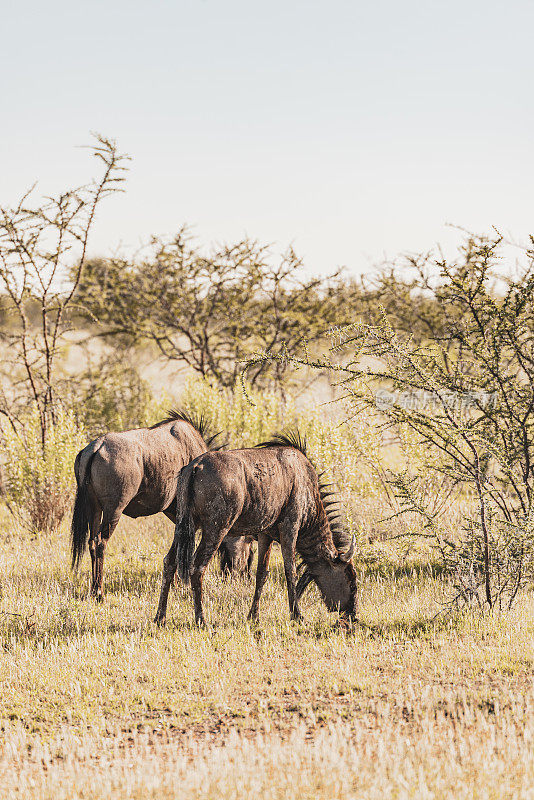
348	555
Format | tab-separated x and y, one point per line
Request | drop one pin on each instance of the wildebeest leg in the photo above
265	544
96	548
208	546
97	545
288	541
170	513
170	564
250	559
94	533
227	552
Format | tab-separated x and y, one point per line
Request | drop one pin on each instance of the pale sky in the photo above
349	129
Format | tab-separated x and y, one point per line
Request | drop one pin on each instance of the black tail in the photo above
185	529
80	516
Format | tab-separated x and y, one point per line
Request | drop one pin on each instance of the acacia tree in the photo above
40	245
467	394
210	310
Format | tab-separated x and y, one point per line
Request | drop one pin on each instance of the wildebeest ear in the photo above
305	579
350	552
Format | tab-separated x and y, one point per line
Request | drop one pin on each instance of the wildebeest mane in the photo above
197	421
292	438
328	499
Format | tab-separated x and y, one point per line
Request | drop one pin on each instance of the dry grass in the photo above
97	702
392	760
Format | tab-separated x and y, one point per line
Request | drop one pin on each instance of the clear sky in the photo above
349	129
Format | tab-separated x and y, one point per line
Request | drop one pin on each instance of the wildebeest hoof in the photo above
160	621
346	624
257	634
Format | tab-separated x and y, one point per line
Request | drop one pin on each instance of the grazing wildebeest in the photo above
135	473
272	493
236	555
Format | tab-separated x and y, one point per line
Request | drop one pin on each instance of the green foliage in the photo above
243	420
209	310
39	481
472	406
112	396
466	393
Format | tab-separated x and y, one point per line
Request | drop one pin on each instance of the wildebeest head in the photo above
335	577
331	567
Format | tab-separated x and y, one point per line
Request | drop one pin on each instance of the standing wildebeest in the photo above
272	493
135	473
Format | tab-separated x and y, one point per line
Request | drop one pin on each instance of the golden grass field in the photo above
96	702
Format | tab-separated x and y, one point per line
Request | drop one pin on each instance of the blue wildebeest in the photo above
135	473
272	493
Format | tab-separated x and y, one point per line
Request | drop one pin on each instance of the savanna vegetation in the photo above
414	391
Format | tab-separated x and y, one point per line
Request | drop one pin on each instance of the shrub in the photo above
466	396
39	242
39	480
112	396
